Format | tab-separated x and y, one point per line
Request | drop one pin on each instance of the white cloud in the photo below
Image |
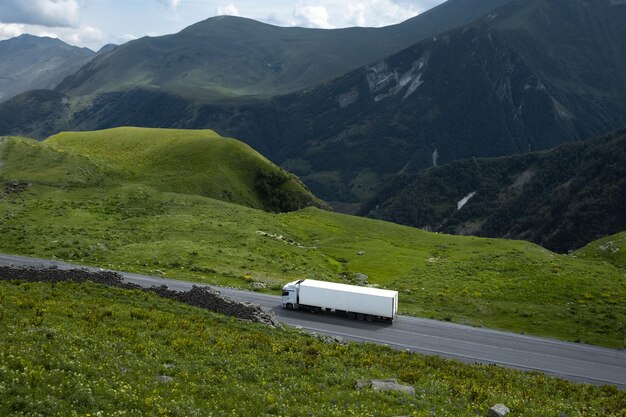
10	30
173	4
51	13
311	17
378	12
86	35
228	10
127	37
357	14
344	13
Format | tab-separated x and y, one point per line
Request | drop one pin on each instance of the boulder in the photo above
499	410
385	385
163	379
360	278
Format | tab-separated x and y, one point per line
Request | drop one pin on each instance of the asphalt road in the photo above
572	361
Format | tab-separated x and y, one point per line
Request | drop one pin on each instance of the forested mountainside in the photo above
561	199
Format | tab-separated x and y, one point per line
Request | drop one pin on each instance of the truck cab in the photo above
290	295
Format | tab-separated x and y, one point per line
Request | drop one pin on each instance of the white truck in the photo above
362	303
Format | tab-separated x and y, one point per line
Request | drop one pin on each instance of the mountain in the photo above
529	76
107	48
30	62
170	81
526	76
561	199
229	56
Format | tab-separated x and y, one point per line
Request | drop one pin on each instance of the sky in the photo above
94	23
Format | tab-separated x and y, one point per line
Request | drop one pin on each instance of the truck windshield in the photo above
285	293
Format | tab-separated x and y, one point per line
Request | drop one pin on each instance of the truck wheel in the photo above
369	317
360	316
351	315
289	306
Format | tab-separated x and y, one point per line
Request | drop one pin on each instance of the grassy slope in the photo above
185	161
198	162
85	349
611	249
80	212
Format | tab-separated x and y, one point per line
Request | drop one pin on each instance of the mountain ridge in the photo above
513	81
240	56
562	199
30	62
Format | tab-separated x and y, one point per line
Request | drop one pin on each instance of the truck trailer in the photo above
361	303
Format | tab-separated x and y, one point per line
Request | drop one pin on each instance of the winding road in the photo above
572	361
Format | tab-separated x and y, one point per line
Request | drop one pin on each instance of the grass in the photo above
197	162
102	218
72	349
611	249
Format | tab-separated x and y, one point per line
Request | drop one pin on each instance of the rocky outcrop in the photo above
385	385
13	187
499	410
202	297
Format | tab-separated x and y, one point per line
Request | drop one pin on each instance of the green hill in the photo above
61	201
611	249
197	162
85	349
561	199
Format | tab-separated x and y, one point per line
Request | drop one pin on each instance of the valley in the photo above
471	158
80	210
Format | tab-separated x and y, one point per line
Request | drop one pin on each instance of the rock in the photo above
360	278
258	285
361	253
202	297
499	410
385	385
14	187
362	383
163	379
331	340
207	298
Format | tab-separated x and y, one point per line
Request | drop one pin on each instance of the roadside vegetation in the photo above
71	349
86	209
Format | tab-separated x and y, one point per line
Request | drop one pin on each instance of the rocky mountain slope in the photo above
527	77
561	199
30	62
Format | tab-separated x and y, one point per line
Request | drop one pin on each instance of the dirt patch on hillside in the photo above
14	187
